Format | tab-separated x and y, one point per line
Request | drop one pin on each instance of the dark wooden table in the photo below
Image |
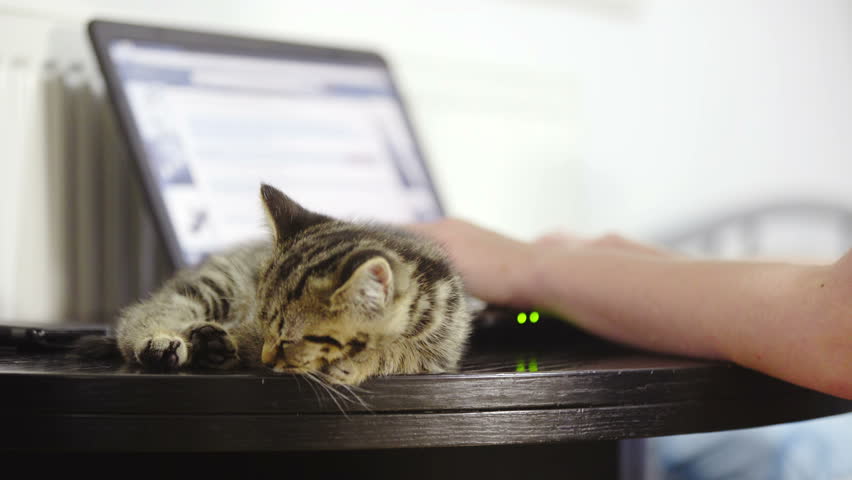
548	393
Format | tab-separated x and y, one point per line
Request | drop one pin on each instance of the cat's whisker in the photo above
311	379
355	396
308	382
333	387
359	389
348	388
328	390
314	376
316	394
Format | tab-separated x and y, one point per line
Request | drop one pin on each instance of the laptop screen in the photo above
213	126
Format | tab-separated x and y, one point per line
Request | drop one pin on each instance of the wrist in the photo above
519	277
785	314
537	280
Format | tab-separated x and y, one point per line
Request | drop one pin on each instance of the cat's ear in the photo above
285	216
369	286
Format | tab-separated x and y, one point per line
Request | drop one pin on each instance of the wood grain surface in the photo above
507	392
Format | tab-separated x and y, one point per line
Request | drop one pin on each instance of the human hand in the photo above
501	270
494	268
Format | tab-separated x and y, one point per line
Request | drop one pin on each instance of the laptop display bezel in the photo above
104	33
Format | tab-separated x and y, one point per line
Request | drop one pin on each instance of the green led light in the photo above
534	317
520	366
522	318
533	365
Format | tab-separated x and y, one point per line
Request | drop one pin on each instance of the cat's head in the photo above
323	295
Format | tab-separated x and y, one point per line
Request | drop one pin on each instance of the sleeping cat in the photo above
327	298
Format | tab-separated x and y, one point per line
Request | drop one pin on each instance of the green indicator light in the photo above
534	317
520	367
533	365
522	318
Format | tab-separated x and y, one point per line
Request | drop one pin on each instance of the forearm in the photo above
774	318
790	321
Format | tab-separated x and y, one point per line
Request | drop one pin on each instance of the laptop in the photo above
208	117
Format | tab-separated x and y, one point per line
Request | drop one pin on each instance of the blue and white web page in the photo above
214	126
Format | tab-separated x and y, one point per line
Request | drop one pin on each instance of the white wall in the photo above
717	105
631	115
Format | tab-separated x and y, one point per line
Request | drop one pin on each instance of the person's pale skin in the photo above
791	321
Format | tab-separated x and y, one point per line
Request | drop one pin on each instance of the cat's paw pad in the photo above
162	353
212	346
345	372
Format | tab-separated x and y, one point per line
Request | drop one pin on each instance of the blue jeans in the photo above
814	449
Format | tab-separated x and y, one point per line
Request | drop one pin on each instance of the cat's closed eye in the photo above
323	339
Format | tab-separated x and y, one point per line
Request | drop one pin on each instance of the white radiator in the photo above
76	242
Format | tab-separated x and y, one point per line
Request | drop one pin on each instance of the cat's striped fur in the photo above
325	297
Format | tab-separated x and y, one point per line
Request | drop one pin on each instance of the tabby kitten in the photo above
327	298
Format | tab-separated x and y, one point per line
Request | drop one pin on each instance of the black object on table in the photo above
554	401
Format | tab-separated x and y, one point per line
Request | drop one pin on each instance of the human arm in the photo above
790	321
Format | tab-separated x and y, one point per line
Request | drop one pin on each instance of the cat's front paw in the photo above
212	346
162	352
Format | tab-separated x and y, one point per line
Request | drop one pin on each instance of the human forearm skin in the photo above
785	320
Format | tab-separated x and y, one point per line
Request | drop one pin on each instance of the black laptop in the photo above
208	117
